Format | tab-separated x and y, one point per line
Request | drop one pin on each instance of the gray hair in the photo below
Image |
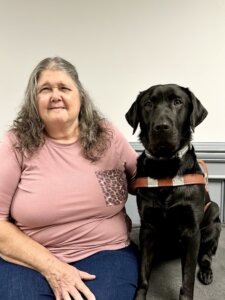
29	128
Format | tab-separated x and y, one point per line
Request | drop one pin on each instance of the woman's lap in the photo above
20	283
116	277
116	274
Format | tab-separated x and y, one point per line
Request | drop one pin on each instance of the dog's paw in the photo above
185	295
141	294
205	275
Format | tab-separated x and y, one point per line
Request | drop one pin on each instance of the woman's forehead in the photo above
54	76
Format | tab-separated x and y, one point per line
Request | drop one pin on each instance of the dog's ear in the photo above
198	113
132	114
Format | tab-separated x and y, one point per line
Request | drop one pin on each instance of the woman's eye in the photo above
64	88
44	89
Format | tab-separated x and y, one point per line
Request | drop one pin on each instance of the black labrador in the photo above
175	204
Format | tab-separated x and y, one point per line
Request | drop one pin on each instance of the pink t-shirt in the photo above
65	202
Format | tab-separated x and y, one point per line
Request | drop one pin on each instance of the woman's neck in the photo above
63	136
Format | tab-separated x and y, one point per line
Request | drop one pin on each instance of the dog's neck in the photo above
179	154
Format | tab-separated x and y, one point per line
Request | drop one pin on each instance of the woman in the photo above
63	187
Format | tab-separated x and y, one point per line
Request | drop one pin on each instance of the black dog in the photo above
167	115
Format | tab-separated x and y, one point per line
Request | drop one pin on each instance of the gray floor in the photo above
166	278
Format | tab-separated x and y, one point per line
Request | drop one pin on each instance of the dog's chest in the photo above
163	199
166	207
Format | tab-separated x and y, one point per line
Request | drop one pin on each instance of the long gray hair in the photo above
29	128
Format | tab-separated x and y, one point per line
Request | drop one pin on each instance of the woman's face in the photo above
58	100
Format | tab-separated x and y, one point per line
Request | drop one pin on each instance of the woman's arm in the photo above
65	280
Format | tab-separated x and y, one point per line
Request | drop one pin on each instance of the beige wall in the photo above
119	47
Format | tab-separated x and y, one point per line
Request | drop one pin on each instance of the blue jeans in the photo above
116	277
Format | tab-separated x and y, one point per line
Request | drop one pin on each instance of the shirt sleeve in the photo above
10	172
126	153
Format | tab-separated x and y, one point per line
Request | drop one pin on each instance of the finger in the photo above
85	291
86	276
74	293
57	296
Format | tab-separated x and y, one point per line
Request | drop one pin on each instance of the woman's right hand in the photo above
67	282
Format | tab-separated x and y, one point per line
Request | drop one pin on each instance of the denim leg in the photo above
116	273
21	283
116	277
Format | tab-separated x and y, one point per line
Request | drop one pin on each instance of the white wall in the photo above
119	48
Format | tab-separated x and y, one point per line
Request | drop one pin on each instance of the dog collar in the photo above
179	154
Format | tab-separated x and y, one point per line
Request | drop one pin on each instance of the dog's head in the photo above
167	115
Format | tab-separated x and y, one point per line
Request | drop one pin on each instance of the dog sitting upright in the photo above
172	196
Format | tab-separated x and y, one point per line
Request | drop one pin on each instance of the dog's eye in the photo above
148	104
177	101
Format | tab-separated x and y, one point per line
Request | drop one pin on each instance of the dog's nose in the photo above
162	127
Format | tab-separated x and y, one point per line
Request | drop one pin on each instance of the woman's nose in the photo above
55	95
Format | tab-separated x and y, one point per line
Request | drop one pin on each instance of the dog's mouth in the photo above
161	145
163	152
164	147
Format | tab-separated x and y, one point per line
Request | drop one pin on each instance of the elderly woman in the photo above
64	174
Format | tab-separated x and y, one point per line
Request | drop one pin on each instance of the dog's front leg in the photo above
190	249
147	253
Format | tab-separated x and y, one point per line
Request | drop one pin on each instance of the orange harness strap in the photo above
188	179
205	171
